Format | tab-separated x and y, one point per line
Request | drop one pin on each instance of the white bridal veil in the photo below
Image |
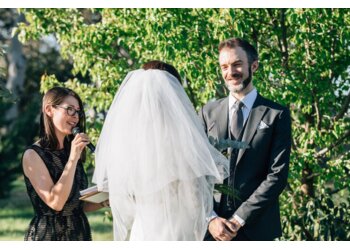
160	167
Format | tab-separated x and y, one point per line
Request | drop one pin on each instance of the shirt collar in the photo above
247	100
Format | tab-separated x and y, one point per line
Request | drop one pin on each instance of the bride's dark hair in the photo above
156	64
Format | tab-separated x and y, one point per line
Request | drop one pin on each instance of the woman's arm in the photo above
54	195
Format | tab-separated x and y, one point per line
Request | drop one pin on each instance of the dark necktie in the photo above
237	121
235	130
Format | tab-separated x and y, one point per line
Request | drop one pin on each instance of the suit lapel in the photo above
221	127
254	118
221	119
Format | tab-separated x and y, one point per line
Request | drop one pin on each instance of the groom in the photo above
258	173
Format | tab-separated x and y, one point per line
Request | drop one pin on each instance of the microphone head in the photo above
75	131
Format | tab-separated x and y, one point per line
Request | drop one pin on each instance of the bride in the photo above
160	167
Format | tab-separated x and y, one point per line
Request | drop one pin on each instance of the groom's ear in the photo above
254	66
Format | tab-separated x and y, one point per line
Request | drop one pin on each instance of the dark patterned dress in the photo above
68	224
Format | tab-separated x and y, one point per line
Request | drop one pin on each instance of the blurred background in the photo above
304	57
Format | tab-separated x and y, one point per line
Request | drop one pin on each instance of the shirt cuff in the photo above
212	216
239	219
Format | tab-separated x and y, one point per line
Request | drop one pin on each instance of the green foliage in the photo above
19	131
6	96
323	217
304	64
225	189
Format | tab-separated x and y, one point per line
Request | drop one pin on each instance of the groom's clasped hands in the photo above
222	229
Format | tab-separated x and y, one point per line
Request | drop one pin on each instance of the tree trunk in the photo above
307	181
16	72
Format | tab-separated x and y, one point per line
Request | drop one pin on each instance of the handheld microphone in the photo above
76	131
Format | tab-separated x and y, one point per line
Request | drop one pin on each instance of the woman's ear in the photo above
48	110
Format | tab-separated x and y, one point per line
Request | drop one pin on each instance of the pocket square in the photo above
262	125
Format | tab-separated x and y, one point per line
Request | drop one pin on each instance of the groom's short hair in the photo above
249	49
155	64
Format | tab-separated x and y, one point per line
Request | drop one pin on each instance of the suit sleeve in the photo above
270	189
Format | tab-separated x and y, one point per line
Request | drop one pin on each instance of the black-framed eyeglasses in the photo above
71	111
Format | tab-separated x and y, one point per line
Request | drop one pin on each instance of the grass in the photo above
16	212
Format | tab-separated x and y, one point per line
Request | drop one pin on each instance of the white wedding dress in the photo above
160	167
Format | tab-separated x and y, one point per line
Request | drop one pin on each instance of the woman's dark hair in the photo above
48	138
155	64
249	49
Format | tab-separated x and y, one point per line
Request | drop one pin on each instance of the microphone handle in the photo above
91	147
76	131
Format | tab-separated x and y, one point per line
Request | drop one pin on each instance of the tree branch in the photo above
337	190
322	152
284	45
311	176
344	108
324	165
333	36
339	156
275	24
124	53
282	41
306	232
317	110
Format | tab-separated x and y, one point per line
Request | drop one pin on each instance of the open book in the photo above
92	194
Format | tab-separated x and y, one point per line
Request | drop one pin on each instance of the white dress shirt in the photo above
248	102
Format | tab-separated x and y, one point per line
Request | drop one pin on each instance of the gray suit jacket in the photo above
262	170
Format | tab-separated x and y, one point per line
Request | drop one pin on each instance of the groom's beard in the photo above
243	85
249	78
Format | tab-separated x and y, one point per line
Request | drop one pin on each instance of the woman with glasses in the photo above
53	170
